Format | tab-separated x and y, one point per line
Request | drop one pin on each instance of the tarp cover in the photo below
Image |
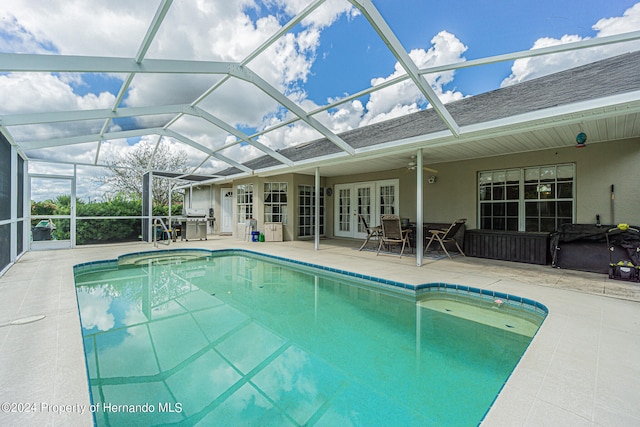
585	247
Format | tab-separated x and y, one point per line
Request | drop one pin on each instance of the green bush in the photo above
89	231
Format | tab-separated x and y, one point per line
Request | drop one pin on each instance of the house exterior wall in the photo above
455	192
293	180
598	166
404	196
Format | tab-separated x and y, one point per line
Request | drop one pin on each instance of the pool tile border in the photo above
420	289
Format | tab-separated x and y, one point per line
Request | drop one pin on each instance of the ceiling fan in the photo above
412	165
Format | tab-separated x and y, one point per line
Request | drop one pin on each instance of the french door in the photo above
369	199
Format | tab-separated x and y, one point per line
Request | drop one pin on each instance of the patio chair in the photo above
446	236
392	233
372	232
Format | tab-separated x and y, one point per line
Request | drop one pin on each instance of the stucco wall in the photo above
292	180
454	194
598	166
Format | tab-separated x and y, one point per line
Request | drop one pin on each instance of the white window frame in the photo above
355	230
310	194
244	207
276	190
521	200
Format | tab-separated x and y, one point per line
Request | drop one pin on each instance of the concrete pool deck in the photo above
582	367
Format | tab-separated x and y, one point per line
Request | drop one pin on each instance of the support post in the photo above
169	219
419	213
316	214
13	208
73	207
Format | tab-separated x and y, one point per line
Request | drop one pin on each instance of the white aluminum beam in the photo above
80	115
283	30
186	140
24	62
238	134
393	43
583	44
153	155
316	213
265	45
196	145
161	12
58	142
232	162
244	73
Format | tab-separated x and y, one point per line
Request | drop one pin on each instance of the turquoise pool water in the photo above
234	338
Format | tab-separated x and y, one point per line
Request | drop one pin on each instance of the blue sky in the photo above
486	27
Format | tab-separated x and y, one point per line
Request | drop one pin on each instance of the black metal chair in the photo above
446	236
372	232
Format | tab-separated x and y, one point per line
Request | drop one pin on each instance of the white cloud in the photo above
530	68
37	92
629	21
79	27
94	308
329	12
385	104
405	97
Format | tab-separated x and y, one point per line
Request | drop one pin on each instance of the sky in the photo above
331	54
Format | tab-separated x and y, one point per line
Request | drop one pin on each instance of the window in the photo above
306	210
344	209
244	200
275	202
387	199
531	199
499	199
548	195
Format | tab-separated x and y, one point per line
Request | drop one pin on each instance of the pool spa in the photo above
233	337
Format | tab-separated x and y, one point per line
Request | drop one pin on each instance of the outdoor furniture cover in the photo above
584	247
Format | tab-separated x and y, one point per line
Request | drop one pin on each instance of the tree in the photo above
127	170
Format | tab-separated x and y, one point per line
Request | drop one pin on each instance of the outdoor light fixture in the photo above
581	140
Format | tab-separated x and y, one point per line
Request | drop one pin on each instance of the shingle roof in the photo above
603	78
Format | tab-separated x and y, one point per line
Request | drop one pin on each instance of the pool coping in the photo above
424	287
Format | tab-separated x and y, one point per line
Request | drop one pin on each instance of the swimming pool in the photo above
237	338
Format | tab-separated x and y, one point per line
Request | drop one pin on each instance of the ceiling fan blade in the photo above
429	169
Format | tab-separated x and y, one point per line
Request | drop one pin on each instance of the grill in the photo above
194	224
